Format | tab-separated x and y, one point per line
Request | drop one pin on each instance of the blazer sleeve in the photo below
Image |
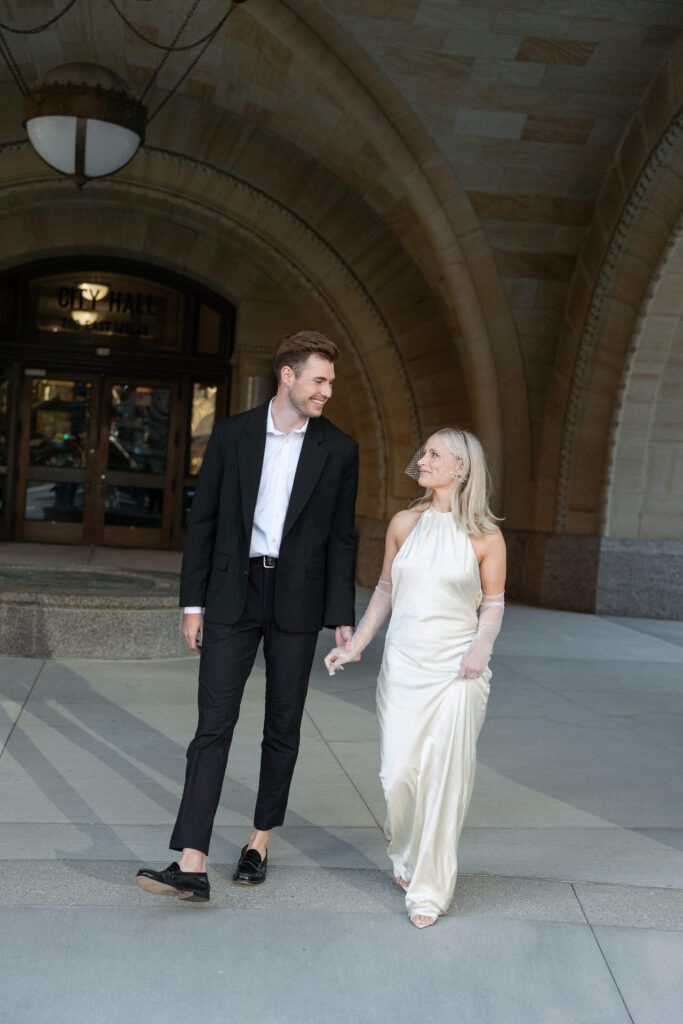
340	563
201	526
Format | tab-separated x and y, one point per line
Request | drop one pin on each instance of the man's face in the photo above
309	392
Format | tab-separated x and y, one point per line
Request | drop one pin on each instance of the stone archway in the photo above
389	159
598	551
206	233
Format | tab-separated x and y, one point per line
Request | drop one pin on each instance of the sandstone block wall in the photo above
481	202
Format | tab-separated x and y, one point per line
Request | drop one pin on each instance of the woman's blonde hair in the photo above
470	500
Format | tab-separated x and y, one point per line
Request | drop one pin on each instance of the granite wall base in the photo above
642	578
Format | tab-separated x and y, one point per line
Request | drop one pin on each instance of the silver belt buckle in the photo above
269	562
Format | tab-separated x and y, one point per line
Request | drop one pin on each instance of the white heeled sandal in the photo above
432	919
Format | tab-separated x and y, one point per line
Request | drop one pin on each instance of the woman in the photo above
444	562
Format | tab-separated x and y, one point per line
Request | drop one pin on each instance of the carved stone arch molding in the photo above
206	227
450	245
637	249
644	490
576	561
640	205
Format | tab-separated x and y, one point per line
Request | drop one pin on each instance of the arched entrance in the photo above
112	374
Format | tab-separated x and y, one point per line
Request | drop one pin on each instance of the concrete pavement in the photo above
569	907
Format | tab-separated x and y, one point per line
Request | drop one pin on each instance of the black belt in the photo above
267	561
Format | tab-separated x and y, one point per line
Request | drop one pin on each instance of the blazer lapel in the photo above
250	451
311	462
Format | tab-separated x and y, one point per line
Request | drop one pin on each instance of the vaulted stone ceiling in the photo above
477	135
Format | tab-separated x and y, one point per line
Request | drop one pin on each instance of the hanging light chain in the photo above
204	42
200	45
11	63
169	51
209	39
38	28
173	48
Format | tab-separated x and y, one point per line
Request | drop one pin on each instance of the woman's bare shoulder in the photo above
406	515
495	538
489	542
402	522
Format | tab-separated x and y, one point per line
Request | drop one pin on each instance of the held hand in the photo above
337	658
343	635
193	625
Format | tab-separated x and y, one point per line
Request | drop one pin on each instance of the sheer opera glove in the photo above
476	658
376	614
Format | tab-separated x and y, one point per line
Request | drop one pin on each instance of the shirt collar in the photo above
272	429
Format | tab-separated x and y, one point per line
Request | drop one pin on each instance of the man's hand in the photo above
193	624
343	635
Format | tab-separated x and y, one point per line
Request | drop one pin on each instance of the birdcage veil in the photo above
413	469
470	499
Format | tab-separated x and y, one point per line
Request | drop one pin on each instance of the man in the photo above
270	555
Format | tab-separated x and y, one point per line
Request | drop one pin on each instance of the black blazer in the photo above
316	567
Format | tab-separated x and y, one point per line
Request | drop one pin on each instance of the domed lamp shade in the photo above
82	121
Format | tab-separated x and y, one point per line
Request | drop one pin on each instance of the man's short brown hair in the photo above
295	349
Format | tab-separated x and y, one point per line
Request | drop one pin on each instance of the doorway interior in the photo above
109	391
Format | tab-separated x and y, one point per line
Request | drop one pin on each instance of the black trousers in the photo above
227	658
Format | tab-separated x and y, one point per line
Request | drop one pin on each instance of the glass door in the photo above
137	455
59	418
4	449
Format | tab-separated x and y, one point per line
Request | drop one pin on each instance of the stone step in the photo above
74	611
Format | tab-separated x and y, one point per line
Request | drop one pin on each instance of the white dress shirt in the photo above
280	459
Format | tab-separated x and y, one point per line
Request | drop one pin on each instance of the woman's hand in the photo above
475	660
337	658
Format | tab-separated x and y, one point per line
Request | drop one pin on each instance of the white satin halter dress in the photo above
429	719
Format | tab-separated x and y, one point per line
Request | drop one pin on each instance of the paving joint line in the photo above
24	703
602	954
353	784
339	694
315	725
607	716
644	632
564	882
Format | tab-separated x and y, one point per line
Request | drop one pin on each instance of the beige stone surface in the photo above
466	195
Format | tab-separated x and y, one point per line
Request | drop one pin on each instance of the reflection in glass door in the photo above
202	419
136	459
58	422
4	390
100	458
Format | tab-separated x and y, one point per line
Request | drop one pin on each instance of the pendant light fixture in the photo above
82	121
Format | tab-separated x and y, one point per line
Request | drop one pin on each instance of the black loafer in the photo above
189	886
251	869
